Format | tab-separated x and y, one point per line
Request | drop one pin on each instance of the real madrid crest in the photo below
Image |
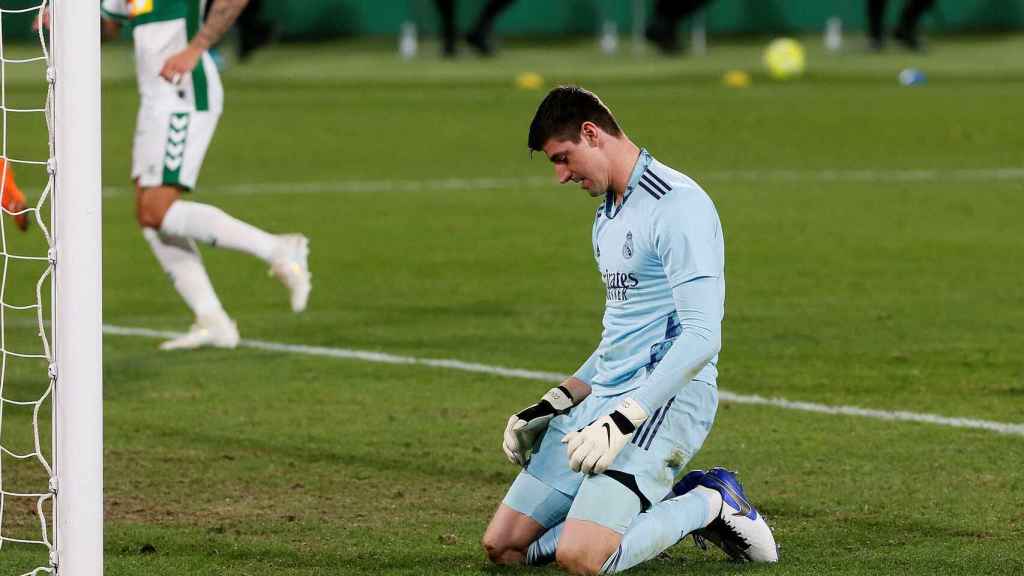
627	248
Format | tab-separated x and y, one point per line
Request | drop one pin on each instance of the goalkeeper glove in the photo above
524	428
592	449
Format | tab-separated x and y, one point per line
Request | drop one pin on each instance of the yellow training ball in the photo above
529	81
736	79
785	59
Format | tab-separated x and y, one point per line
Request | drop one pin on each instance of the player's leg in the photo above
599	532
152	203
602	509
530	508
618	519
182	263
522	529
526	527
876	29
591	546
584	546
180	259
162	209
254	30
508	536
588	547
446	11
605	531
189	136
157	156
906	31
287	254
710	505
735	525
173	161
178	256
479	36
663	27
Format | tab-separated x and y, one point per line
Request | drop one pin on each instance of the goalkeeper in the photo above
181	100
600	452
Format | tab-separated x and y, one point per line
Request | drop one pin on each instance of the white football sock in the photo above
666	523
211	225
181	261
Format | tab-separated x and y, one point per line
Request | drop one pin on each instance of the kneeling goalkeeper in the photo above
600	452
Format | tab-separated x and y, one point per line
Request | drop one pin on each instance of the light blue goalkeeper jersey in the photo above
665	232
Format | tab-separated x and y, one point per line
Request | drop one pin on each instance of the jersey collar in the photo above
642	162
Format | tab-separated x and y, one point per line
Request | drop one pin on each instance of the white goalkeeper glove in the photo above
592	449
524	428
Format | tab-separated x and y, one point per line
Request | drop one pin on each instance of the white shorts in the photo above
169	147
176	121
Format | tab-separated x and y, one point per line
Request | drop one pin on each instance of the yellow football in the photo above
785	58
736	79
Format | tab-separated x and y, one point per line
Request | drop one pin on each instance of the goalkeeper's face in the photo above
584	161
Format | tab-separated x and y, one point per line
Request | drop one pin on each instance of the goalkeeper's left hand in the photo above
592	449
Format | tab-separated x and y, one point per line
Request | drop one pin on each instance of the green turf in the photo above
874	258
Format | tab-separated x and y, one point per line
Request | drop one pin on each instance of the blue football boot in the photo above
688	482
739	529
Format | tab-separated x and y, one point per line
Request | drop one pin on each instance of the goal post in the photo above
77	296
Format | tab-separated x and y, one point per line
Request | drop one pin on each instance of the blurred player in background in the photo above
480	35
663	30
905	32
181	101
13	198
254	31
601	451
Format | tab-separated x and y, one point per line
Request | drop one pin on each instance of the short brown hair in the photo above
563	111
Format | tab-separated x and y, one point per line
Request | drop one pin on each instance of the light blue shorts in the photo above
548	491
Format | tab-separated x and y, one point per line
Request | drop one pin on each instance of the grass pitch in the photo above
875	257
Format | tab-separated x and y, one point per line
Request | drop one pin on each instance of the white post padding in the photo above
77	308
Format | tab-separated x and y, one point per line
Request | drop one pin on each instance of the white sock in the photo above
211	225
666	523
181	261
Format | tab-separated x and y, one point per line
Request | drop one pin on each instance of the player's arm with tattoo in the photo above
222	15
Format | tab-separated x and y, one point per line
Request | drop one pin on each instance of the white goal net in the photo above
50	395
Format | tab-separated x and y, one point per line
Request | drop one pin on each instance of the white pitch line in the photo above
383	358
482	184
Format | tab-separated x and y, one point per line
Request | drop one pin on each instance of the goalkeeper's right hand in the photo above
524	428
